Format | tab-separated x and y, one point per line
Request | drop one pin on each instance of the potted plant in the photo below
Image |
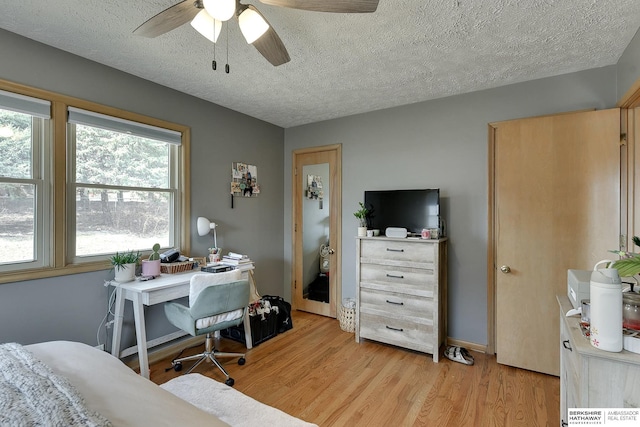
629	263
151	266
362	214
124	264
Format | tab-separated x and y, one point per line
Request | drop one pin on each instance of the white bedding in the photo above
115	391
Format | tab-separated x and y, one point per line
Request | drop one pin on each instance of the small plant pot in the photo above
362	231
125	273
151	268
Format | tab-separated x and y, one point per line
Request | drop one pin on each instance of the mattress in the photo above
115	391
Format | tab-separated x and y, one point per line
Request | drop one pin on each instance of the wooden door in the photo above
316	286
556	206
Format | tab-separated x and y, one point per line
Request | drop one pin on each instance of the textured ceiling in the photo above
342	64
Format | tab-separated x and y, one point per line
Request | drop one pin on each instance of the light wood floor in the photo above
319	373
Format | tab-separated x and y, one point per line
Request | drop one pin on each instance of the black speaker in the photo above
170	256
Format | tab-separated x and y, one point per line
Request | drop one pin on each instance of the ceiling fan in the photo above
207	16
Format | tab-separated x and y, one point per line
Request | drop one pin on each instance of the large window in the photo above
24	181
80	181
123	177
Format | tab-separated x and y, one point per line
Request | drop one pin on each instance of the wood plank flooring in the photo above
317	372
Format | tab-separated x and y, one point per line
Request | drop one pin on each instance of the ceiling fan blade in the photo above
168	19
336	6
270	45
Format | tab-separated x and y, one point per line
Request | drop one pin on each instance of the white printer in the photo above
578	286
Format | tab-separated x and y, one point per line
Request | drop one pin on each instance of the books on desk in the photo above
216	268
235	259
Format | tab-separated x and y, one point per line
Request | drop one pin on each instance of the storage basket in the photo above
347	315
176	267
261	329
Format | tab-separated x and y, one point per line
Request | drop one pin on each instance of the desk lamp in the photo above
205	226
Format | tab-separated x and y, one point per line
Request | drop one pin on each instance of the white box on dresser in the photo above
590	377
401	295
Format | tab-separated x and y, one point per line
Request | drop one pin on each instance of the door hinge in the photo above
623	139
295	284
623	242
295	171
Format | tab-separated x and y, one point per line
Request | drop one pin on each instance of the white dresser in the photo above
593	378
402	292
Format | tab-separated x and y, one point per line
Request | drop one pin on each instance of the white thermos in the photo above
606	308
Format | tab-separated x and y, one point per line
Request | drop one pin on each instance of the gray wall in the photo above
440	143
443	144
629	66
71	307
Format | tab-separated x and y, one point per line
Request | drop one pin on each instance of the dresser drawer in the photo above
570	358
414	281
397	305
398	332
391	250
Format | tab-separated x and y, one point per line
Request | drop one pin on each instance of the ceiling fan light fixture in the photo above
207	26
222	10
252	24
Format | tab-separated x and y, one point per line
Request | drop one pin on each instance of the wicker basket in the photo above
176	267
347	315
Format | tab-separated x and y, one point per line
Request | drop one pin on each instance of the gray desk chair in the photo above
216	301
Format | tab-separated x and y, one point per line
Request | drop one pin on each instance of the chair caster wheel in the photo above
241	361
229	382
177	366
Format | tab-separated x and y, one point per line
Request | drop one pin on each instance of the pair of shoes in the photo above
458	354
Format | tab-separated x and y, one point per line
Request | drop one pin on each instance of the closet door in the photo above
555	206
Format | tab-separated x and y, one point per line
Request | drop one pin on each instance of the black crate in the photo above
261	330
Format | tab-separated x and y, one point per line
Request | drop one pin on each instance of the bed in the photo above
107	386
63	383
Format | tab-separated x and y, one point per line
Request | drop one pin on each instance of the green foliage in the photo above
155	255
104	158
119	259
628	267
15	160
107	157
362	214
629	263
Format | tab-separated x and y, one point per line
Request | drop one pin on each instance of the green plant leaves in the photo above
628	267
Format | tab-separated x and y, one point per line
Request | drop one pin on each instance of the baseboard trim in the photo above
468	345
173	347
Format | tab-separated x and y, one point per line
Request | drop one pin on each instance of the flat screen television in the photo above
410	209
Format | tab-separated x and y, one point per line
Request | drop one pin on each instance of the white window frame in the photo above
52	214
120	124
41	176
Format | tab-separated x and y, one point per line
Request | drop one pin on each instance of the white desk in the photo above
167	287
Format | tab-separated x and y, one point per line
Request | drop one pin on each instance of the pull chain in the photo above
226	67
214	64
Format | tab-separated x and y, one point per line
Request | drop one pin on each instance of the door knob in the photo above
505	269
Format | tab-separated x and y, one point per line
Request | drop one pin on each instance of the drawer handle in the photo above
394	329
566	345
394	250
393	276
396	303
